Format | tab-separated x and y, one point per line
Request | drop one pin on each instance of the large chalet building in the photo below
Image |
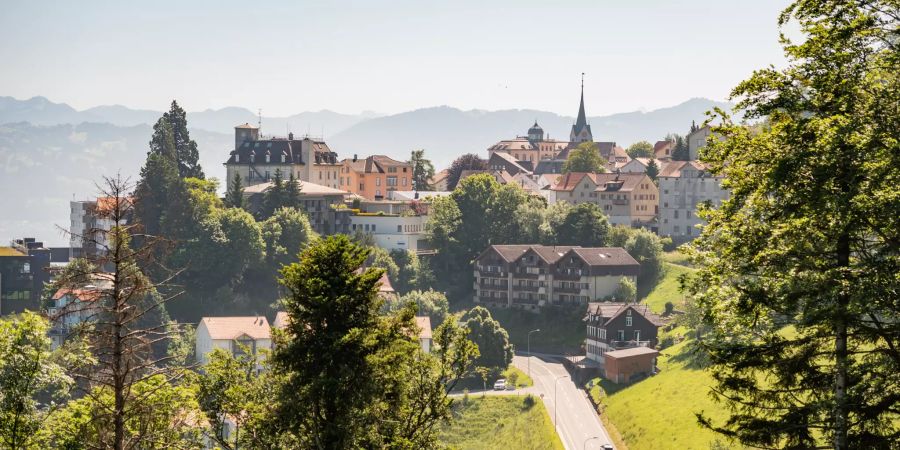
629	199
530	276
256	159
615	326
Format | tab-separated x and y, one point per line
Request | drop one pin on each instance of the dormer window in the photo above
268	157
237	157
252	157
283	157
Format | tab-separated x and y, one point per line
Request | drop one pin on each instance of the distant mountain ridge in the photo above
51	153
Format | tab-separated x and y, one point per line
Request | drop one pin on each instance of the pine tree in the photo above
681	151
652	170
234	198
292	194
423	171
274	197
186	153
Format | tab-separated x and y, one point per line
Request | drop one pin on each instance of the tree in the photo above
234	198
652	170
172	140
626	292
292	192
285	234
125	323
429	303
274	197
640	149
584	225
29	371
646	247
585	158
681	152
423	171
469	161
492	340
156	191
412	272
381	391
229	387
380	258
798	269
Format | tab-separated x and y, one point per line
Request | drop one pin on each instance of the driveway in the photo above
577	421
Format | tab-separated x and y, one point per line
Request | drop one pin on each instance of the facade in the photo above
391	231
375	176
696	140
232	334
639	165
663	150
531	276
323	205
256	159
616	326
625	366
533	148
17	286
682	186
439	182
629	199
90	222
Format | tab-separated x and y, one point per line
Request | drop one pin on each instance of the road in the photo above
577	419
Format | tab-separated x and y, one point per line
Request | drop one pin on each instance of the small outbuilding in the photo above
623	366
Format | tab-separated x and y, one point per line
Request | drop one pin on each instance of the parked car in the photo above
607	447
500	384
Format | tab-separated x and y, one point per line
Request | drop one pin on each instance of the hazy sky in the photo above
385	56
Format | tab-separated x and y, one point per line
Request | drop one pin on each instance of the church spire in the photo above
581	131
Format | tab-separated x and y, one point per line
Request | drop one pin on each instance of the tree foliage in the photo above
640	149
495	351
423	170
584	224
469	161
585	158
798	281
172	140
234	197
286	233
429	303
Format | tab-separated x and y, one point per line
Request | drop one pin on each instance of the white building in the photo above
231	334
682	186
89	223
392	231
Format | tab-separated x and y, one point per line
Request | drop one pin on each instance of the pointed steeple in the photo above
581	131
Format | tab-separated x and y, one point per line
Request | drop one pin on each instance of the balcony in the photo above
569	290
516	287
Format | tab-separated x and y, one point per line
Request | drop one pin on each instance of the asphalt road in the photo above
577	421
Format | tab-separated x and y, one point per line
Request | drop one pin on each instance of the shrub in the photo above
669	308
529	401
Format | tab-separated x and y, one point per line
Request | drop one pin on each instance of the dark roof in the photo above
605	256
607	311
275	148
581	121
508	162
593	256
535	128
549	166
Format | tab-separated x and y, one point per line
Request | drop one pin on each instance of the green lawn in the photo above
658	412
499	422
667	288
522	378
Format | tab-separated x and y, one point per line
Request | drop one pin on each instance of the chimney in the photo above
291	136
354	157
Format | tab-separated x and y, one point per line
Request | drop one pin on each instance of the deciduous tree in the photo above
585	158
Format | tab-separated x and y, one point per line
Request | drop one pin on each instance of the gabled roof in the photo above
570	180
629	352
256	327
424	325
674	168
281	319
510	163
373	164
608	311
385	286
661	145
605	256
84	295
607	181
306	188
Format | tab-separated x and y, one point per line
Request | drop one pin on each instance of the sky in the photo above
287	57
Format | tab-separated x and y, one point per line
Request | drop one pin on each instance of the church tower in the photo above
581	131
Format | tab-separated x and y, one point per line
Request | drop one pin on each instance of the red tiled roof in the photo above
85	295
257	327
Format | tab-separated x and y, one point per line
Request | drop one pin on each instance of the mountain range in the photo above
51	153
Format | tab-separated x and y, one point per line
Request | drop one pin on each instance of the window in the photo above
620	335
628	320
404	180
237	157
378	181
399	228
603	333
392	181
268	157
361	187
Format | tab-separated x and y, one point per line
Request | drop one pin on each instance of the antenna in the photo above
582	81
259	123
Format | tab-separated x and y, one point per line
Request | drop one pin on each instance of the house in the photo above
256	158
71	307
235	334
392	231
663	150
624	366
501	161
629	199
614	326
439	181
24	270
696	140
281	320
324	205
639	165
375	176
683	185
533	147
530	276
423	324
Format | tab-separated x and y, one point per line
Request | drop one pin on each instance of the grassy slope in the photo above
659	412
562	329
667	288
500	422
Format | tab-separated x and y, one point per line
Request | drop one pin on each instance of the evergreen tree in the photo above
292	193
798	281
275	197
423	171
181	149
234	198
156	191
652	170
681	152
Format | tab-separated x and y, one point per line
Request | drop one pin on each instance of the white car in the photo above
500	384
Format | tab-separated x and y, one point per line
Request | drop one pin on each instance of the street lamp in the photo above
555	382
529	350
584	447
